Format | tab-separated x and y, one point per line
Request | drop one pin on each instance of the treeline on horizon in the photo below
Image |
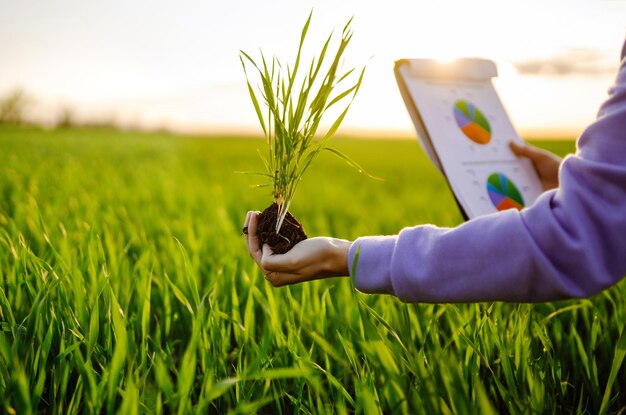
16	109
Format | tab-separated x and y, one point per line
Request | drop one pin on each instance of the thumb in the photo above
287	262
269	260
525	150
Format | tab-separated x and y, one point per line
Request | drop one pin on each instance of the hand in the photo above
546	163
308	260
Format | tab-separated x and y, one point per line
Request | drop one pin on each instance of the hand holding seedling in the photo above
546	163
311	259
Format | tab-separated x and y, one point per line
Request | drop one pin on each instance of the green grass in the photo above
125	286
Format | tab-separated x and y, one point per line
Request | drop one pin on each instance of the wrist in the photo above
338	264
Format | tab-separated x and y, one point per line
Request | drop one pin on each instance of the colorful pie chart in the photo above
503	193
472	122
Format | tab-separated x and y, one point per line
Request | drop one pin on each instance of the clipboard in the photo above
465	131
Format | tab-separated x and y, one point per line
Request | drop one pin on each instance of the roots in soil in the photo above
291	232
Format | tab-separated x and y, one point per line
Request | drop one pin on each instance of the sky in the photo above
175	65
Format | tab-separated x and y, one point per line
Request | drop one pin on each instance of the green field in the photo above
125	286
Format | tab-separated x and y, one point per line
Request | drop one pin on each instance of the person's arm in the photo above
324	257
570	243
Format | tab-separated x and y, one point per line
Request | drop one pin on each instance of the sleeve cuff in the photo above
371	273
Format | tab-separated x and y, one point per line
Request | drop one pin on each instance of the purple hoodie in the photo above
570	243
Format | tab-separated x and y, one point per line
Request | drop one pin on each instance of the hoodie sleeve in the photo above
570	243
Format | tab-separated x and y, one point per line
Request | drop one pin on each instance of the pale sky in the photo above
176	64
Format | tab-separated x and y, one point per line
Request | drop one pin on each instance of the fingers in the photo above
279	279
281	263
526	150
244	231
280	269
252	239
275	267
519	150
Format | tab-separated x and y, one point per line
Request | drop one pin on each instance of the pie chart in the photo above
503	193
472	122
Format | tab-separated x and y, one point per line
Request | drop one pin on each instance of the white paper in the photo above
471	145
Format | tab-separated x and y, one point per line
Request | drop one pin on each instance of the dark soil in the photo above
291	232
